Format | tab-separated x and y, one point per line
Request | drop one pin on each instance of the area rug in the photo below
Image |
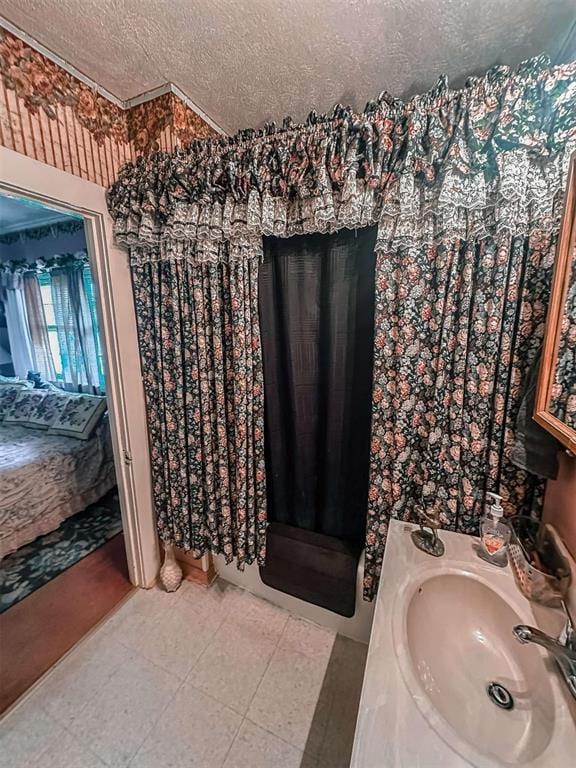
32	566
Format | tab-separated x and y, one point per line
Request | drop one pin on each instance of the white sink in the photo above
454	643
442	633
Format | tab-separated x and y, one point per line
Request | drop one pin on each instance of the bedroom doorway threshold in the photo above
38	631
23	177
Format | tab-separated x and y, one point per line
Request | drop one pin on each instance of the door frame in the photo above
25	177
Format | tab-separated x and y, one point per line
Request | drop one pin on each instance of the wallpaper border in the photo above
50	115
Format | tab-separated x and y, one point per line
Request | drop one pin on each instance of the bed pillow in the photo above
23	409
14	381
8	393
79	417
36	381
49	409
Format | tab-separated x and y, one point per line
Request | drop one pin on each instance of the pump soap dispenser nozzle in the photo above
496	509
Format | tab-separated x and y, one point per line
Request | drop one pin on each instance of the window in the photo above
59	352
44	280
89	285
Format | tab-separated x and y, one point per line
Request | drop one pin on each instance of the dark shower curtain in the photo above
316	296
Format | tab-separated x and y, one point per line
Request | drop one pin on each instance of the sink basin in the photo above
454	643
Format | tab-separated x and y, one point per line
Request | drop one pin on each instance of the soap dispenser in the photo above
494	533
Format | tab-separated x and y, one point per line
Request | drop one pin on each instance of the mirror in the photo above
556	393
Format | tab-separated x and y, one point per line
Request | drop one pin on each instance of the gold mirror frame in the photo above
561	277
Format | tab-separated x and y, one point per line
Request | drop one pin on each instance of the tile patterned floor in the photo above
202	678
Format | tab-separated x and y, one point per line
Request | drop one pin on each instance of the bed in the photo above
46	478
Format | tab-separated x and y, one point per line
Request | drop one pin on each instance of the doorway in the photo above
106	297
58	492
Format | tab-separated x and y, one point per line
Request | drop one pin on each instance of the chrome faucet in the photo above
563	650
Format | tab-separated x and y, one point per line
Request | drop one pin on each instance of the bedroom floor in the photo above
40	629
32	566
211	677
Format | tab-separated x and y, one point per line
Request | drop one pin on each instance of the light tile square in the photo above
173	639
25	733
115	723
254	747
215	601
126	622
232	666
78	678
67	752
195	731
305	637
285	701
267	620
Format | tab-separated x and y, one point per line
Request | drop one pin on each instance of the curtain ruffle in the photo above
198	251
478	151
522	197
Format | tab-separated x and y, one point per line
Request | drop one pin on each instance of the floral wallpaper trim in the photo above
147	121
43	85
48	114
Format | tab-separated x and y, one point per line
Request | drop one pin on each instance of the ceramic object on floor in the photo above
170	573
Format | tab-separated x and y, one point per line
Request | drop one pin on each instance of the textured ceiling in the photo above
248	61
17	213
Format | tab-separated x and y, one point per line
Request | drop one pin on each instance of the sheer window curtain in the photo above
43	361
75	327
17	326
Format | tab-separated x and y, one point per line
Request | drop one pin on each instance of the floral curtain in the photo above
457	327
464	186
202	364
437	155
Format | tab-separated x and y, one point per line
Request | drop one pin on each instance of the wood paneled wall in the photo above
560	501
49	115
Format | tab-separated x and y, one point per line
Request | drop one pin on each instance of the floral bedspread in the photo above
46	478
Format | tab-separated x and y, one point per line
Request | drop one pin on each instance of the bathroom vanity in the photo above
447	684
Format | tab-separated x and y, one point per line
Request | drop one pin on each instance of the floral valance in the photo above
57	229
490	154
15	268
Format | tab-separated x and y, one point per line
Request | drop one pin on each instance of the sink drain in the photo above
500	695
